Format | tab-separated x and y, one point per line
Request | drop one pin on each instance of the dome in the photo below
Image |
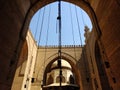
63	64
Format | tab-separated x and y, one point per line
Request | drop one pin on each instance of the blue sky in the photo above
50	24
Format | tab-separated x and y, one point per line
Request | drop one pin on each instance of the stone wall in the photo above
26	63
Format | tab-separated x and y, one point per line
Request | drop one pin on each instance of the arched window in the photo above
50	80
71	79
58	79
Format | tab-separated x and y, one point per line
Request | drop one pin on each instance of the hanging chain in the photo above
59	51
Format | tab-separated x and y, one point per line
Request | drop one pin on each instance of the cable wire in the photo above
41	26
78	25
72	30
47	34
83	50
35	34
82	18
59	37
40	32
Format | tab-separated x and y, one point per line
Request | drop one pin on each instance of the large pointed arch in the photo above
82	4
72	61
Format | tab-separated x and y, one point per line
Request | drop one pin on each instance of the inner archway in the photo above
70	76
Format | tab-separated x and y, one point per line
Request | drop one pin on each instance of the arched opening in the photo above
83	4
72	63
58	79
50	80
44	24
12	32
37	6
50	77
69	76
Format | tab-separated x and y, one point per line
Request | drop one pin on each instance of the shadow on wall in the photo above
23	55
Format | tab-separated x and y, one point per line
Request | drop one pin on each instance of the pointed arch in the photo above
82	3
72	61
